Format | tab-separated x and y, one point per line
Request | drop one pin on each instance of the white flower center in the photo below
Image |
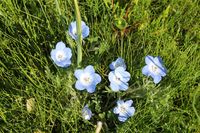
86	79
60	55
74	31
154	69
117	78
122	109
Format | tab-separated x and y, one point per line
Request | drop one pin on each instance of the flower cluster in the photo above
119	78
88	79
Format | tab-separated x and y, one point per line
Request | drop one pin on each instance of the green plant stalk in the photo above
79	33
193	105
122	43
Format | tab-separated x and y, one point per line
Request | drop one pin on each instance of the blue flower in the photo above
61	55
118	79
124	110
73	30
87	79
154	68
118	63
86	113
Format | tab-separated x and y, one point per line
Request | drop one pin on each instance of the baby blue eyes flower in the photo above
118	63
154	68
124	110
87	79
86	113
61	55
118	79
73	30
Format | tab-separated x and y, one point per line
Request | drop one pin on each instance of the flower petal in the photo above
111	76
130	111
126	76
123	86
122	118
82	23
120	69
163	72
97	78
148	59
78	73
129	103
89	69
65	63
122	74
72	27
158	61
120	63
114	87
60	45
119	102
111	66
91	88
73	36
116	110
145	70
85	31
53	54
79	86
157	79
68	52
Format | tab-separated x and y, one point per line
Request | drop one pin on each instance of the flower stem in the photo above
122	43
79	33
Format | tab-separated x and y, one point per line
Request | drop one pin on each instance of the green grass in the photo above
29	29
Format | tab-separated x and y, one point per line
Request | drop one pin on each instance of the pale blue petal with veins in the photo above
118	63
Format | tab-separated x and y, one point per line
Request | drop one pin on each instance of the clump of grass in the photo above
30	29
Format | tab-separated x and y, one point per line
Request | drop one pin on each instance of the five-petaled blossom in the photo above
61	55
118	79
118	63
154	68
73	30
124	110
87	79
86	113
